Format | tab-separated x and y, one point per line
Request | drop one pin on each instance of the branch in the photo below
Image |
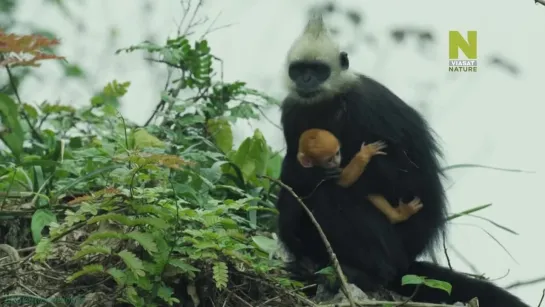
35	133
525	282
542	2
330	251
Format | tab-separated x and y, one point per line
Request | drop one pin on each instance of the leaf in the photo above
88	269
252	155
213	174
184	267
221	275
495	224
328	270
14	136
40	219
87	250
412	280
432	283
438	284
145	239
132	262
468	165
274	165
143	139
220	130
266	244
119	276
467	212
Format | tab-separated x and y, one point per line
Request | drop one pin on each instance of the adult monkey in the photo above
325	94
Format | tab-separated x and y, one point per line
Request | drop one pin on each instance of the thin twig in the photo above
445	249
35	133
525	283
336	265
408	300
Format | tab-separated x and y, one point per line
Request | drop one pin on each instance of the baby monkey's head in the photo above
318	147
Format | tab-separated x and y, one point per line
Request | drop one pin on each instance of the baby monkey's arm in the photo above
357	165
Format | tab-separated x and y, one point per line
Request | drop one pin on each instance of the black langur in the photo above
325	94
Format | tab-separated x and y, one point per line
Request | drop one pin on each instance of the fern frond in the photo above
221	275
86	250
132	262
145	239
88	269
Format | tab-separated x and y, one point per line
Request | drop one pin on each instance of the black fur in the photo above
373	252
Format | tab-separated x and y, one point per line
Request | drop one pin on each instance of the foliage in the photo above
14	48
172	198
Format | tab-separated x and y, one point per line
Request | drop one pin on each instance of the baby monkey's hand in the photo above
373	149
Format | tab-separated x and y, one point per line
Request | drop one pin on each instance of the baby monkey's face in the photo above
332	161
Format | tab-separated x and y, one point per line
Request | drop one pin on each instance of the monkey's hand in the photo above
373	149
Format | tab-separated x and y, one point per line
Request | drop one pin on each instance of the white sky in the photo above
486	117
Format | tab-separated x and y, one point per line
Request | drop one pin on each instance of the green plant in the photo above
171	199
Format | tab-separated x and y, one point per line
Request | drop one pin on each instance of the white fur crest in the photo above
315	43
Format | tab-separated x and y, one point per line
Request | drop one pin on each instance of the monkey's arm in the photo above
353	170
395	215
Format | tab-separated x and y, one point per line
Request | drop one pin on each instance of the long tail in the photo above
464	288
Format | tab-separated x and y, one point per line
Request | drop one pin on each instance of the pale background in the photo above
490	117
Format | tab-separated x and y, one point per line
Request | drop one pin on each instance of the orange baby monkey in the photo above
318	147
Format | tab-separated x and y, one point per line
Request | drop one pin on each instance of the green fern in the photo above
145	239
132	262
221	275
104	235
86	250
88	269
119	276
43	250
117	217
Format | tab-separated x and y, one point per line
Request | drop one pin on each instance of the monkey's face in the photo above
333	161
310	77
316	68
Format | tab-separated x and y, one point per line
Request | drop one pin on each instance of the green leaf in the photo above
467	212
40	219
145	239
213	174
132	262
88	269
14	136
143	139
221	275
30	111
119	276
252	155
412	280
438	284
266	244
220	130
274	166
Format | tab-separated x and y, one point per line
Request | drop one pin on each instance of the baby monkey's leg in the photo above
399	214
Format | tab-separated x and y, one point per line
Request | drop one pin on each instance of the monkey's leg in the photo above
394	216
406	210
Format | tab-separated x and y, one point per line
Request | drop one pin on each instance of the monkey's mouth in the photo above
307	93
